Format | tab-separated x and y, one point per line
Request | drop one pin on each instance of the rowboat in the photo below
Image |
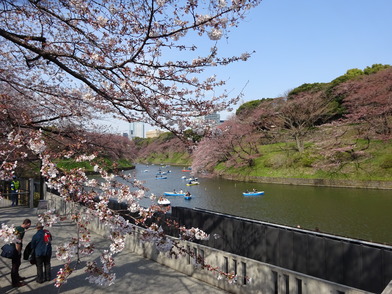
256	193
192	183
174	193
188	196
163	201
160	178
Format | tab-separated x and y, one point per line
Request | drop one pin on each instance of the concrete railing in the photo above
265	278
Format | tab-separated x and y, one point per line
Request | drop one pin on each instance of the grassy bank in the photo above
364	164
369	163
121	164
173	158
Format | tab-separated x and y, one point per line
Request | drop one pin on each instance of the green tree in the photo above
375	68
192	136
314	87
250	106
350	74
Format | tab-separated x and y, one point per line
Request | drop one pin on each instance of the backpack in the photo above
8	251
47	236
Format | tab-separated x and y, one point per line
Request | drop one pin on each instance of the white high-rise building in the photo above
136	129
213	118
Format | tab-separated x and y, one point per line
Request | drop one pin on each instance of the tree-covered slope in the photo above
337	130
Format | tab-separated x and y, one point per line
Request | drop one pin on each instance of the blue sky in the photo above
304	41
307	41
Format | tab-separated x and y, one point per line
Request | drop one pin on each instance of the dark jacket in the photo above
39	245
27	251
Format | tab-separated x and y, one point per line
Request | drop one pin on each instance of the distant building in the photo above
136	129
213	118
153	133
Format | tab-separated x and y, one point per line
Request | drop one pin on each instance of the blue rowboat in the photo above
173	194
257	193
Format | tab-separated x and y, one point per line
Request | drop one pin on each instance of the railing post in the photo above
45	191
31	193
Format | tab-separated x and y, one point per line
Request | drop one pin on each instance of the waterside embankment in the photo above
317	182
387	185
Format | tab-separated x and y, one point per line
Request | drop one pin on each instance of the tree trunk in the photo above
300	143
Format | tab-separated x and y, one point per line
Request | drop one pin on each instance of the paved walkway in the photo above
134	273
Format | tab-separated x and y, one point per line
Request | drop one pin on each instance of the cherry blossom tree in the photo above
235	142
210	151
114	55
303	112
369	100
65	63
164	144
265	119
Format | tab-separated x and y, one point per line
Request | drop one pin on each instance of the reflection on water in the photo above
355	213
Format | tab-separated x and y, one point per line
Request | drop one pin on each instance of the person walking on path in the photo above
15	185
17	281
42	247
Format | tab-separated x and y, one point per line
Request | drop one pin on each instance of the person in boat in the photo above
187	194
174	191
254	190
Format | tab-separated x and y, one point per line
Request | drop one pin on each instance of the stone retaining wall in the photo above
312	182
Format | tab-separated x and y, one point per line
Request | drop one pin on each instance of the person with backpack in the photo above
41	244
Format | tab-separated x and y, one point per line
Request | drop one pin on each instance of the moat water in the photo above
353	213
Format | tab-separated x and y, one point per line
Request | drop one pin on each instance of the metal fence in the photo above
24	193
362	265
